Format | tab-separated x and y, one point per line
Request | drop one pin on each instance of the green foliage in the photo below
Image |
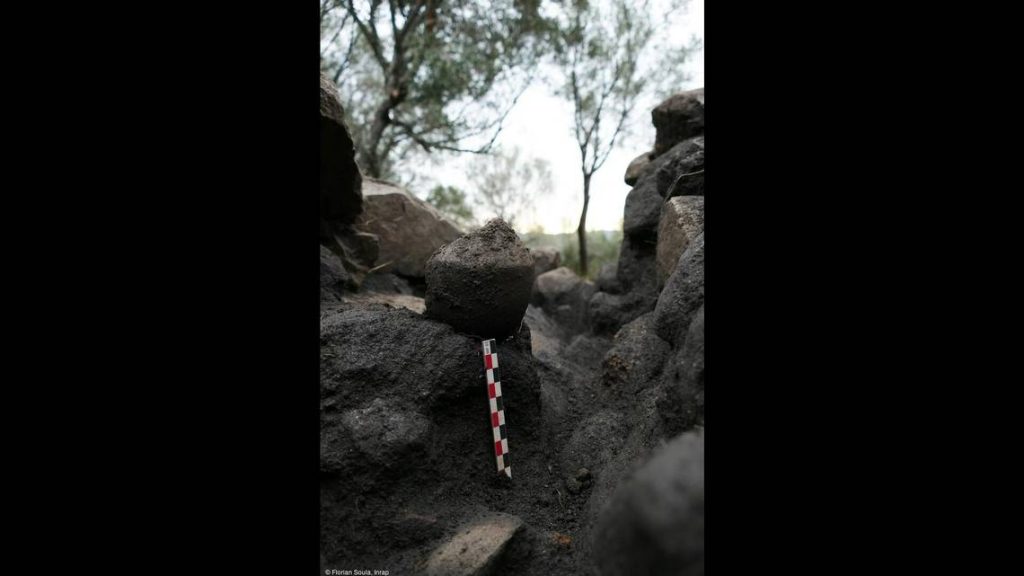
451	202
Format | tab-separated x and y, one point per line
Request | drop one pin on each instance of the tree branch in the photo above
369	32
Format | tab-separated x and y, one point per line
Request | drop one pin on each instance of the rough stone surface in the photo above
682	405
643	207
370	350
387	283
334	279
594	442
588	350
663	176
682	296
546	336
545	260
644	435
635	360
654	524
607	278
636	167
636	284
637	268
610	312
409	229
386	432
679	117
481	283
340	180
680	171
475	549
405	443
409	302
564	297
682	220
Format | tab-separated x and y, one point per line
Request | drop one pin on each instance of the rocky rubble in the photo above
603	385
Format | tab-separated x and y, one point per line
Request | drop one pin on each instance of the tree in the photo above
602	47
428	74
451	202
508	185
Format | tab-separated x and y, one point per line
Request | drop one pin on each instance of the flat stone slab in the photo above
474	549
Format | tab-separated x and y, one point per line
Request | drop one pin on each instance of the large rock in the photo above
643	207
682	405
636	167
635	290
594	442
654	524
680	171
610	312
607	278
409	230
637	265
340	181
480	283
564	297
475	549
373	351
644	435
635	360
682	220
545	260
405	437
677	172
679	117
683	295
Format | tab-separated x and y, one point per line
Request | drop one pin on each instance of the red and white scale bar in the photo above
497	408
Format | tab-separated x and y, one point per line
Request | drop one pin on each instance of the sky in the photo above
541	126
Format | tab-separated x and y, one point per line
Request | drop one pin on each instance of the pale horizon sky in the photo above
541	126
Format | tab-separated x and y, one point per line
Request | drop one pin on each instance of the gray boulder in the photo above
594	442
679	117
682	220
636	167
678	172
643	207
564	297
480	283
340	181
409	229
683	295
682	405
654	524
636	358
545	260
607	278
635	289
